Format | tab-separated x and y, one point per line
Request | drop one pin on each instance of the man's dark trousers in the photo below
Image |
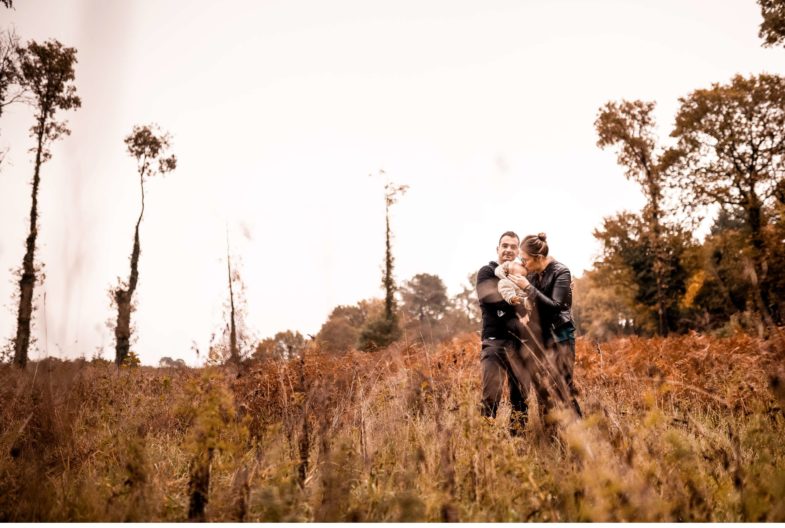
499	359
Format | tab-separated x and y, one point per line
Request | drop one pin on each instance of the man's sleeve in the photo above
487	291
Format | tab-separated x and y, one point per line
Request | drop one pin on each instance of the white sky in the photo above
279	111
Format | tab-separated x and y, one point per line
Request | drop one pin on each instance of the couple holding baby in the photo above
528	335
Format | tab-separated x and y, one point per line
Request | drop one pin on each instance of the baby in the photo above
515	296
510	291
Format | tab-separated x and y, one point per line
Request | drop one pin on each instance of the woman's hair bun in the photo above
535	245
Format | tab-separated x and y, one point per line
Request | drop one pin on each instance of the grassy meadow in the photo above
685	428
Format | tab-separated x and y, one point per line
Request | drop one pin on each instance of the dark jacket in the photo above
499	320
551	292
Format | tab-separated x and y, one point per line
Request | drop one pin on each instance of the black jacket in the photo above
551	292
499	320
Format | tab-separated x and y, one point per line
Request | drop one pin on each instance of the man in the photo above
502	335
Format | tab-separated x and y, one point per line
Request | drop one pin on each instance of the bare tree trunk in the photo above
27	281
234	354
123	297
659	259
388	278
759	274
659	271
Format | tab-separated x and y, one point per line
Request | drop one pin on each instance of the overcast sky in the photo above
280	110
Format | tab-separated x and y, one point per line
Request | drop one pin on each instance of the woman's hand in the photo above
519	280
515	300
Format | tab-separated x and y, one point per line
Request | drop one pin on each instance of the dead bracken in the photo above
396	436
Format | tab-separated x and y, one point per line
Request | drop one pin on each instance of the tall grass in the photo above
676	429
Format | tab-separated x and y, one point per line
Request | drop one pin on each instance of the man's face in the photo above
508	249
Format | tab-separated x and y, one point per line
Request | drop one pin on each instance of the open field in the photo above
684	428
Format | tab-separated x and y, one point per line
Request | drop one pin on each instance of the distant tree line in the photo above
426	314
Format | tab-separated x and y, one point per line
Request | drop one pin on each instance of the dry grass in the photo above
686	428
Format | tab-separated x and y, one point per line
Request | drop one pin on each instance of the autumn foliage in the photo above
680	428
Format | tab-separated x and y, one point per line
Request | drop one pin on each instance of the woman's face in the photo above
534	263
516	268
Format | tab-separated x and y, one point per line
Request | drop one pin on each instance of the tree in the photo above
772	28
424	297
235	341
149	148
340	331
391	193
283	345
377	333
425	306
9	70
47	72
234	353
627	266
463	310
167	362
603	309
776	258
629	126
8	3
337	335
466	304
380	333
731	142
724	289
10	89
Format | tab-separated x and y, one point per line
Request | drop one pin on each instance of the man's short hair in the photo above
509	234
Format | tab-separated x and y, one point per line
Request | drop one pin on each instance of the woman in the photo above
549	286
